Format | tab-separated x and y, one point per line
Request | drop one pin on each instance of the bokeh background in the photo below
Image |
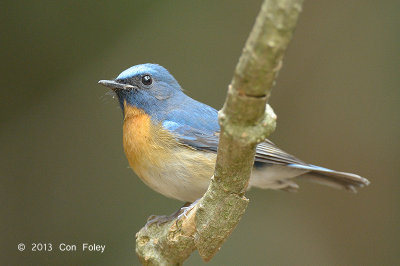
64	177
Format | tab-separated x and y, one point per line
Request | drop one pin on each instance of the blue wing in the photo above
199	129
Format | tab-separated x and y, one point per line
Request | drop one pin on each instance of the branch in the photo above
245	121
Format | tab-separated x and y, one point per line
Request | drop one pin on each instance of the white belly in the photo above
185	176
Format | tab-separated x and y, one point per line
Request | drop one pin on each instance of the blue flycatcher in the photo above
171	141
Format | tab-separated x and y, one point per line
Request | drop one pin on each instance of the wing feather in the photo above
266	152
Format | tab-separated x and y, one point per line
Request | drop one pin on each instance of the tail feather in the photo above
332	178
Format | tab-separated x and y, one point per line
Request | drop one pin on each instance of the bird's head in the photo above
149	87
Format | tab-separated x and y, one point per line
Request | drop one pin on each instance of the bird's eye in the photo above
146	80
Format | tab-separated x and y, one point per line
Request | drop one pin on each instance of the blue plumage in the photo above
152	90
158	73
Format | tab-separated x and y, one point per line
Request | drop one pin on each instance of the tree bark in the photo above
246	120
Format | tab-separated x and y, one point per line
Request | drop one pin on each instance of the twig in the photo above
244	122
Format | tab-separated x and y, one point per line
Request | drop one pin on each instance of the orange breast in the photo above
169	168
145	144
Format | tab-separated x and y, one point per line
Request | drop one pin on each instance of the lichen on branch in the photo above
245	121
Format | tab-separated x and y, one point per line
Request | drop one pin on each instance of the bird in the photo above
171	141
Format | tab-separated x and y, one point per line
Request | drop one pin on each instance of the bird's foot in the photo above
153	219
162	219
186	208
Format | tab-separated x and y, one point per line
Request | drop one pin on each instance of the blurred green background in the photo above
64	176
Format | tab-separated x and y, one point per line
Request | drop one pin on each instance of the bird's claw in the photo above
162	219
159	220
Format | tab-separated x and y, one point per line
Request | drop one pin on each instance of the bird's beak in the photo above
115	85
